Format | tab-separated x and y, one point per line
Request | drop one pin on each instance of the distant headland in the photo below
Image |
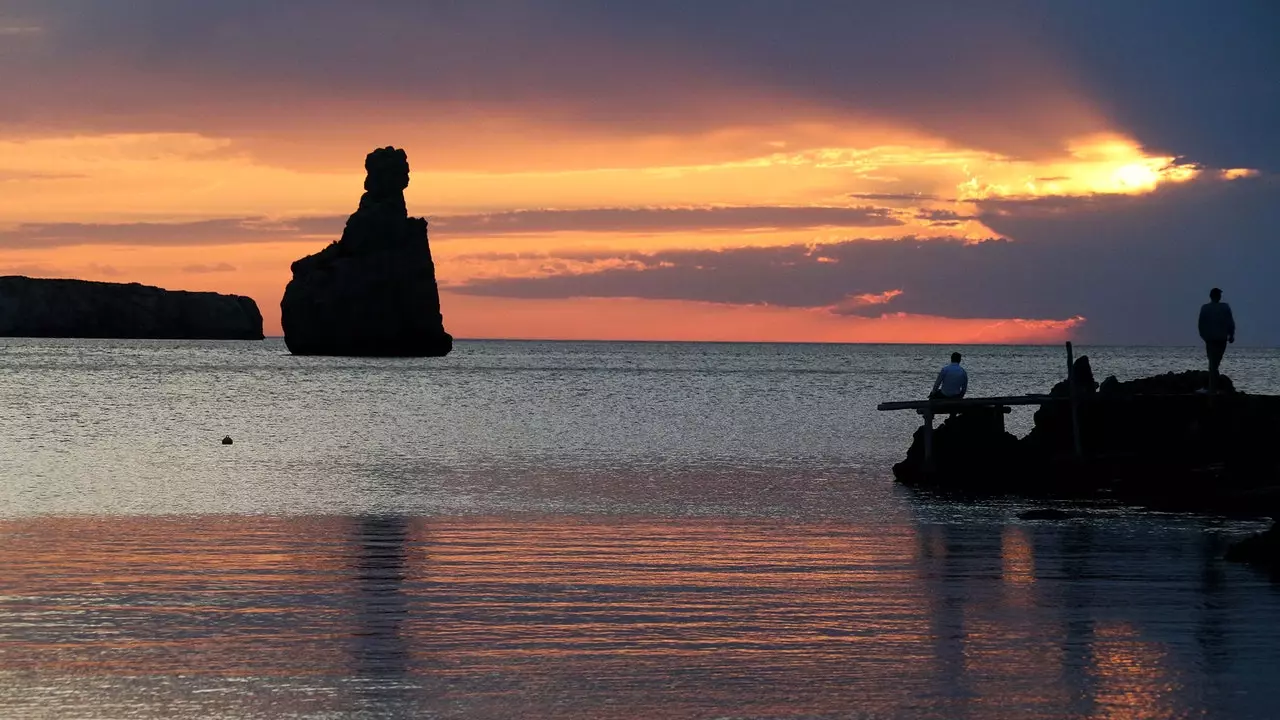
373	292
32	307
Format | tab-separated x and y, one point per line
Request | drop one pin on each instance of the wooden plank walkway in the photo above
927	409
942	406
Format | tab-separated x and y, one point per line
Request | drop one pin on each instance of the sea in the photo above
582	530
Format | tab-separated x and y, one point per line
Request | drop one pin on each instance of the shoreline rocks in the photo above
1153	442
45	308
373	292
1262	550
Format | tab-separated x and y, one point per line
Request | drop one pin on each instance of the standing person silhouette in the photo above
1217	328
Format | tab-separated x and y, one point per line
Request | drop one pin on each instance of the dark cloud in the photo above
1136	267
221	231
215	268
654	220
792	276
228	231
943	218
1136	263
1195	77
941	215
1017	76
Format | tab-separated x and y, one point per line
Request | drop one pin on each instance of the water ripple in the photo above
388	616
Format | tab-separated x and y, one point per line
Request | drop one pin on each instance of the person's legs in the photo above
1215	351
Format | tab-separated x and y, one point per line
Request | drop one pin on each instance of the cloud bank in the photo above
1020	78
1135	267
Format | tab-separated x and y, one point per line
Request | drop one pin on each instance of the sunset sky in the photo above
750	170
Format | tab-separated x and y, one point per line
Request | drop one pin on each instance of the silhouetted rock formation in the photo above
1154	441
1262	549
1189	382
32	307
1150	418
374	291
964	447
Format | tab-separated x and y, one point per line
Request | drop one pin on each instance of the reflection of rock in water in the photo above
951	559
379	648
1105	655
1214	610
946	611
1077	545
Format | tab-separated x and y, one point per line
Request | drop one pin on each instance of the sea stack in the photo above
372	293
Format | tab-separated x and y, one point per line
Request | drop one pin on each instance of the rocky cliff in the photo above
82	309
373	292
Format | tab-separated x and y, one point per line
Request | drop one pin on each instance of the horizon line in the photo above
1075	343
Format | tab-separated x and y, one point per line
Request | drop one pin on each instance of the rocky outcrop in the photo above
1157	442
373	292
1155	417
32	307
964	447
1262	550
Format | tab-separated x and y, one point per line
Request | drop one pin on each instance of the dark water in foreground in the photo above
586	530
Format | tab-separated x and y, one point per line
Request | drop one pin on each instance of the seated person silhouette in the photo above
952	382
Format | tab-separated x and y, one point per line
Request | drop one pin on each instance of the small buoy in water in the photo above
226	440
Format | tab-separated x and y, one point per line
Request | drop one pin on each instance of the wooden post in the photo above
928	439
1075	405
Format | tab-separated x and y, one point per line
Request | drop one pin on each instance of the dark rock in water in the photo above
227	440
373	292
1053	415
32	307
1082	371
1262	549
1157	442
1183	383
970	449
1157	418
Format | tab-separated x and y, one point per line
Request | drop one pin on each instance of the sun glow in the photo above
915	185
1095	165
1136	175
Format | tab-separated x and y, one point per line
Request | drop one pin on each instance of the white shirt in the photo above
952	381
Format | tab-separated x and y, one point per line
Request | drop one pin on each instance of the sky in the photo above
805	170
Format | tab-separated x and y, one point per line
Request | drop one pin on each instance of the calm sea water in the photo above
580	530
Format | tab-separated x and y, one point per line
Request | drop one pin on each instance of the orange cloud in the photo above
865	299
633	319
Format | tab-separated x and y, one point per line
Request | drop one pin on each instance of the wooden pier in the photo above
944	406
999	406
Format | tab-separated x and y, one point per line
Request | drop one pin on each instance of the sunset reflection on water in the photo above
611	617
